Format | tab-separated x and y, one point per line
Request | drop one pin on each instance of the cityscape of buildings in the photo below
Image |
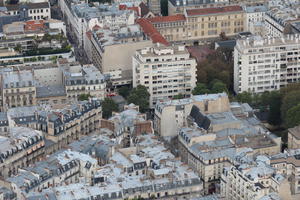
109	100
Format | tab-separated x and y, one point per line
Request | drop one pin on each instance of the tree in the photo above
290	100
124	91
83	97
140	96
274	117
244	97
219	87
108	106
200	89
18	48
223	36
178	96
164	7
293	116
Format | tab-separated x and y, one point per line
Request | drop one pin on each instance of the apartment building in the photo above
264	64
211	142
254	18
166	71
287	164
128	124
294	138
61	124
123	41
64	167
20	146
282	18
172	115
201	24
154	7
18	89
178	6
84	80
35	11
256	180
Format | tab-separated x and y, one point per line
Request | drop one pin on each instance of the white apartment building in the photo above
266	64
255	16
166	71
36	11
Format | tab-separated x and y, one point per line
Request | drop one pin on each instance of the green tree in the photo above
244	97
293	116
140	96
219	87
274	117
83	97
178	96
108	106
164	7
18	48
200	89
124	91
290	100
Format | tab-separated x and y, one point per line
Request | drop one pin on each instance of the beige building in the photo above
166	71
18	89
201	24
123	44
178	6
20	146
294	138
254	181
171	115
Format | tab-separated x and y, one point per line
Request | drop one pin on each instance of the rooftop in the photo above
173	18
295	132
50	91
214	11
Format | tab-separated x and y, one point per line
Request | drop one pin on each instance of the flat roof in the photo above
212	11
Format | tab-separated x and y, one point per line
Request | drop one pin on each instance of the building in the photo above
178	6
255	17
154	6
210	142
254	178
265	64
201	24
287	164
147	170
84	80
20	146
128	124
64	167
294	138
152	68
35	11
172	115
18	89
282	18
123	41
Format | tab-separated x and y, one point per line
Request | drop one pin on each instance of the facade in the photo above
151	68
84	80
210	142
65	167
35	11
128	124
123	42
254	181
288	165
154	6
20	146
294	138
18	89
172	115
255	17
201	24
178	6
264	64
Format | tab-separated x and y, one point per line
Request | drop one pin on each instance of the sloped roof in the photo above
208	11
172	18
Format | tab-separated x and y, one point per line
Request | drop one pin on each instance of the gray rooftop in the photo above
50	91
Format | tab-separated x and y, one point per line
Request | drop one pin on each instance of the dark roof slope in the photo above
201	120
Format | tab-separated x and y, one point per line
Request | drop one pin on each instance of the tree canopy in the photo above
108	106
139	96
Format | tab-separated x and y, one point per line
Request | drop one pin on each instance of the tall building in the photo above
154	6
166	71
264	64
